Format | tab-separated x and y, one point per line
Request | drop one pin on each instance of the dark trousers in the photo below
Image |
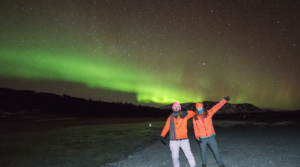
211	141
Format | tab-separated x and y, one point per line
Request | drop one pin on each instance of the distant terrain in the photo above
29	105
25	104
228	108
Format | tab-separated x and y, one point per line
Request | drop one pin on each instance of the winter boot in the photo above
222	166
203	165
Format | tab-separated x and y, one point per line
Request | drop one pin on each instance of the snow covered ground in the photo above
221	123
241	144
89	142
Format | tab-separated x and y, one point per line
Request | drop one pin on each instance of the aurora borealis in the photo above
154	52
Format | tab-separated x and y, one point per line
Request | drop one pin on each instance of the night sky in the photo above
154	52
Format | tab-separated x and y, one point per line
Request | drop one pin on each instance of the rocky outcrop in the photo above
229	108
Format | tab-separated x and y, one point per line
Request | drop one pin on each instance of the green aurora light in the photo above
148	87
164	55
124	77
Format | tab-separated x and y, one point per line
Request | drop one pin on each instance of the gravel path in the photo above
239	147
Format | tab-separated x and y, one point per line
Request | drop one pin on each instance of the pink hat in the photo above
176	104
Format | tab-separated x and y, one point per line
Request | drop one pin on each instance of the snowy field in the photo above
240	143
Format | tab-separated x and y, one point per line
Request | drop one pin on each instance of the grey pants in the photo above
211	141
184	144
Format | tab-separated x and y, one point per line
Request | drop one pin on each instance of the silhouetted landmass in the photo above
228	108
14	101
24	103
244	112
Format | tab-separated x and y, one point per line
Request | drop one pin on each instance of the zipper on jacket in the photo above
204	125
205	128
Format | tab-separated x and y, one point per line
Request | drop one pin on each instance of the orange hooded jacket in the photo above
180	125
203	127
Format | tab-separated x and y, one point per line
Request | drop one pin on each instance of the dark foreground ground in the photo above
80	142
239	147
85	142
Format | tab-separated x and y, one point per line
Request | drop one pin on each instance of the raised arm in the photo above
190	114
166	128
216	107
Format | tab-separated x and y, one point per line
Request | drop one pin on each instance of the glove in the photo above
199	140
162	139
183	114
227	98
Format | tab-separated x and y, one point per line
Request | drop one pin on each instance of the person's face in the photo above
176	109
199	108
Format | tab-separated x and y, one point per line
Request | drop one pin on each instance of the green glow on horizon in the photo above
149	87
120	77
46	46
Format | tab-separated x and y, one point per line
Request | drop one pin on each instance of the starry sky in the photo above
154	52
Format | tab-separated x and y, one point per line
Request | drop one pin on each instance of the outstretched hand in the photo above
227	98
183	114
162	139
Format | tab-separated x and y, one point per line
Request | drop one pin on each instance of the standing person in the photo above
177	124
204	130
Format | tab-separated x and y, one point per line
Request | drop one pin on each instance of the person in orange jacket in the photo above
204	130
177	125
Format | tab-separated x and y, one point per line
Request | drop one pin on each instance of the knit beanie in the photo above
199	104
176	104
